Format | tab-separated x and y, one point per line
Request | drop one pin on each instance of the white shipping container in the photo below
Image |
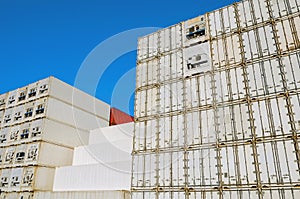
78	99
11	98
102	153
291	66
15	179
150	168
109	176
73	116
207	127
213	125
278	162
259	42
141	100
137	177
265	78
196	59
38	153
4	135
18	195
142	47
171	132
253	12
1	116
3	100
152	72
139	138
282	8
170	38
139	74
54	155
277	120
151	105
176	166
295	100
32	90
8	117
62	134
165	67
288	39
43	87
233	123
26	179
22	94
222	21
82	195
153	44
18	114
203	168
171	97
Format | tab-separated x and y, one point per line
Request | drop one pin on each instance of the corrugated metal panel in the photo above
108	176
170	38
288	33
105	152
171	97
82	195
226	17
235	127
282	8
170	66
252	12
265	78
66	93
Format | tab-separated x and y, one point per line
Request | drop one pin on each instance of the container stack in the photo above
40	125
217	110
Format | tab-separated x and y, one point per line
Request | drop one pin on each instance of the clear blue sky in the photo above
53	37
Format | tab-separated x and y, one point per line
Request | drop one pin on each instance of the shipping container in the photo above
73	116
82	195
225	16
196	59
102	153
16	195
74	97
288	31
252	12
43	129
170	66
108	176
226	51
8	117
1	117
32	90
41	153
11	98
227	125
27	179
3	100
283	8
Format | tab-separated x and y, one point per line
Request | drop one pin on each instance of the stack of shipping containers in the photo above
217	111
40	124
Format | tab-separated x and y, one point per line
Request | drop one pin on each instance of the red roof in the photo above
119	117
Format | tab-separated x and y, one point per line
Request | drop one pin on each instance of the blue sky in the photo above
43	38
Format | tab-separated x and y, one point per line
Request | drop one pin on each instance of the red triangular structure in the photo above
119	117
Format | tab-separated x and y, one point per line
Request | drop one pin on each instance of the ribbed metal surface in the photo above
35	137
221	124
